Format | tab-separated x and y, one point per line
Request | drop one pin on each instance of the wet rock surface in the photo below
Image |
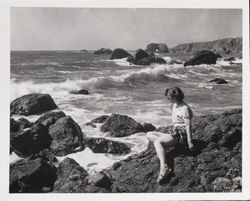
102	145
202	57
214	166
119	54
31	176
30	141
66	136
121	125
32	104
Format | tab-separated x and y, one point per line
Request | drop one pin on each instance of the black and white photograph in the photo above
126	100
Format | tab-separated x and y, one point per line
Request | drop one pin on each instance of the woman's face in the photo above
173	99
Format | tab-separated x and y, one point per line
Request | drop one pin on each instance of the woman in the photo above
181	117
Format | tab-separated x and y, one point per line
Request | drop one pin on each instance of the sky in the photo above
94	28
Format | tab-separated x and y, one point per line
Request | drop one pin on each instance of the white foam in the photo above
91	162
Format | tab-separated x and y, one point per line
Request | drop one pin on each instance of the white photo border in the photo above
5	6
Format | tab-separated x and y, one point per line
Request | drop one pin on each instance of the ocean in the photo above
115	86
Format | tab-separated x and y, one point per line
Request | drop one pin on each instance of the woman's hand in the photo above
190	145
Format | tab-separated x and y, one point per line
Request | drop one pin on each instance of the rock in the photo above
23	123
119	54
222	184
192	172
218	55
227	51
30	141
45	154
157	47
100	119
50	118
148	127
66	136
131	60
30	176
84	51
202	57
234	44
140	54
102	145
82	91
121	125
71	177
32	104
231	138
14	126
150	60
103	51
101	180
219	81
229	59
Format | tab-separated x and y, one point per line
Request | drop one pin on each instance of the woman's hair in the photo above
175	92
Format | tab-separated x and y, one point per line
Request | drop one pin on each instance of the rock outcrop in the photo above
32	104
218	81
145	59
31	176
121	125
66	136
71	177
119	54
215	166
50	118
102	145
157	47
103	51
30	141
202	57
221	46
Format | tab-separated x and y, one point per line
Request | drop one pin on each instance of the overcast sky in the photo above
93	28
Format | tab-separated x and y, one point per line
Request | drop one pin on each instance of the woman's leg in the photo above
161	141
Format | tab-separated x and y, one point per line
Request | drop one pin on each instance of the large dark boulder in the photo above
71	177
50	118
148	127
140	54
119	54
157	47
215	165
202	57
103	51
218	81
32	104
66	136
30	141
31	176
121	125
102	145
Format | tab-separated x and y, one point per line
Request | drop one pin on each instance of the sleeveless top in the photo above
179	114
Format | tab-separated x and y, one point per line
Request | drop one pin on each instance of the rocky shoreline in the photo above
215	166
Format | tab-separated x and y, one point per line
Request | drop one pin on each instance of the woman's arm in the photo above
189	133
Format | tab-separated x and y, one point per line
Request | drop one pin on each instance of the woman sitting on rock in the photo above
181	133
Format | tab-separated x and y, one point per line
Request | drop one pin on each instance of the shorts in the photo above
179	133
